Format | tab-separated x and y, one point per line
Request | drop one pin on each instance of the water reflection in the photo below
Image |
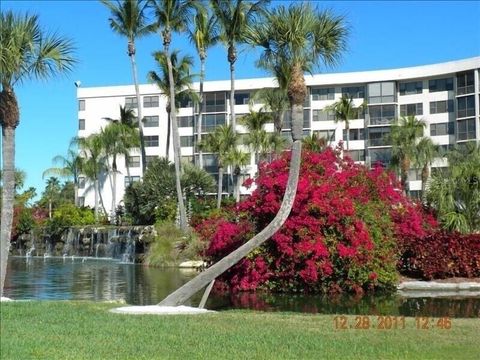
67	278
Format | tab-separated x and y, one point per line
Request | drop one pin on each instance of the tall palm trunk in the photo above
169	129
96	191
404	167
8	193
347	127
176	137
131	53
75	189
114	189
277	121
219	187
237	187
201	110
424	175
232	57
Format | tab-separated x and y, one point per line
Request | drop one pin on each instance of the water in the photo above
78	278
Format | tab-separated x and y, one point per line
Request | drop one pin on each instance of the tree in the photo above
203	34
404	135
257	137
172	16
129	19
233	19
52	191
345	111
70	167
27	53
183	81
427	151
302	37
237	159
275	101
221	143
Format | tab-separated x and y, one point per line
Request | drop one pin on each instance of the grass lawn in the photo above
86	330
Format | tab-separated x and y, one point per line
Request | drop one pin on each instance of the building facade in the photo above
446	96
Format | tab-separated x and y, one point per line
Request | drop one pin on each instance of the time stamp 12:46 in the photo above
382	322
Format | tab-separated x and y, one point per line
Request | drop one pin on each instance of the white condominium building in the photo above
446	96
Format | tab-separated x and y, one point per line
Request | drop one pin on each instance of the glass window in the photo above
466	106
185	101
379	136
151	141
150	101
328	135
241	98
150	121
323	93
186	141
287	119
356	155
215	102
81	124
465	83
131	103
381	92
466	129
438	107
355	134
322	115
81	201
380	156
411	109
130	180
211	121
149	159
442	129
210	163
185	121
410	88
355	92
381	114
133	161
81	182
81	105
440	85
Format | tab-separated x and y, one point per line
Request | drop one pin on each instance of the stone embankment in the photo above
439	289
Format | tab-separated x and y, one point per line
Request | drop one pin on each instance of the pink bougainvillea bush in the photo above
340	236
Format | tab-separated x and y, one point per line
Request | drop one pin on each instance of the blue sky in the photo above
384	34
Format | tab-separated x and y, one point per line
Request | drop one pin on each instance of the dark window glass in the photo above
440	85
381	92
466	129
81	124
211	121
465	83
356	155
381	114
131	103
185	121
241	98
133	161
186	141
81	182
215	102
466	106
355	134
438	107
411	109
150	158
380	156
150	101
328	135
322	115
81	105
323	93
355	92
379	136
130	180
409	88
151	141
150	121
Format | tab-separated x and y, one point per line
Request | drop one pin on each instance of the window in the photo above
133	161
381	114
151	141
356	155
465	83
128	180
131	103
81	201
380	156
466	106
81	124
355	134
355	92
186	141
185	121
241	98
444	149
381	93
149	159
438	107
440	85
210	163
411	109
150	101
215	102
287	120
322	115
150	121
328	135
81	105
81	182
323	93
466	129
379	136
185	101
442	129
212	121
410	88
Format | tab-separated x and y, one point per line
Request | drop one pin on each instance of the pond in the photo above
77	278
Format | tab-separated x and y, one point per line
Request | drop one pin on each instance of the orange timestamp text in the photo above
387	322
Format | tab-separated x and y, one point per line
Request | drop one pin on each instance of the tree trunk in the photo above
8	194
75	189
169	128
404	167
139	113
176	144
96	191
219	187
185	292
232	57
425	174
200	112
347	127
50	208
114	189
237	188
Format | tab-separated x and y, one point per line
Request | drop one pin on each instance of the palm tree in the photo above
276	102
314	143
203	35
404	135
233	18
257	137
129	19
172	16
302	37
427	151
51	190
183	81
237	159
70	167
27	52
345	111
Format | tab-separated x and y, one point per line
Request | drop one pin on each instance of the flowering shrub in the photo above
441	255
340	234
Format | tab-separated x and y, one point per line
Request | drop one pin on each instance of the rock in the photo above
192	264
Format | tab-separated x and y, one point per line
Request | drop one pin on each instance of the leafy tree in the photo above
427	151
27	53
276	102
51	193
129	19
257	137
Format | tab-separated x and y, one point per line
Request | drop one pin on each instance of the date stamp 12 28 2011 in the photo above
386	322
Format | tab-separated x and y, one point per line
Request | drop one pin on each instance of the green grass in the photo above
86	330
